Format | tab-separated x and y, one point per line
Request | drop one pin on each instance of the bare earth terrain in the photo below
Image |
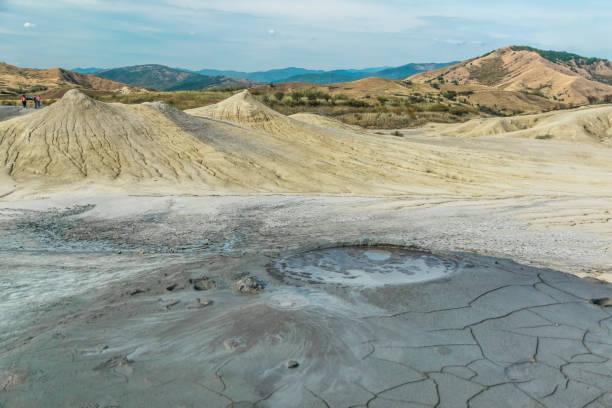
231	256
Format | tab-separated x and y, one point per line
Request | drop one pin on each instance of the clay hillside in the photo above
52	83
559	77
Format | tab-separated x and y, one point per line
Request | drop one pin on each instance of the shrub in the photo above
279	96
489	110
459	110
357	103
450	94
437	86
296	96
438	107
416	99
382	99
592	99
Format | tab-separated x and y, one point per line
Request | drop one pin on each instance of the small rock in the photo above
203	283
171	304
233	343
594	280
292	364
119	252
171	287
136	292
199	303
249	285
9	381
115	362
603	302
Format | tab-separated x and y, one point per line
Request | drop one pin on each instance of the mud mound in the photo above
324	121
153	147
245	110
592	124
79	139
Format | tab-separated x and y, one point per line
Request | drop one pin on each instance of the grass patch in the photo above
490	72
180	99
556	56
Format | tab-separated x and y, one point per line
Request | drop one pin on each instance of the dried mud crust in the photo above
107	329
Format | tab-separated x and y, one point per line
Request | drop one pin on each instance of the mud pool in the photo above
364	266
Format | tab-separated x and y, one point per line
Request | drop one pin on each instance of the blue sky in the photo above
251	35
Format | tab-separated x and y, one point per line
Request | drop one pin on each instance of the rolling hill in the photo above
162	78
559	77
52	83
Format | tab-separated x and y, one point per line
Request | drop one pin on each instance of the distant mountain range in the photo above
161	77
510	79
91	70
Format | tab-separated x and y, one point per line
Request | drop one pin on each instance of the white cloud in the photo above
27	24
454	42
272	32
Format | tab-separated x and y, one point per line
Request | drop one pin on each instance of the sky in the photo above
252	35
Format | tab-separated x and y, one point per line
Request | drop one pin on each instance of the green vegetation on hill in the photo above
556	56
180	100
490	71
382	112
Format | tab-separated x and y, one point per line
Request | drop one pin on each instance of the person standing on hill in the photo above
24	101
37	102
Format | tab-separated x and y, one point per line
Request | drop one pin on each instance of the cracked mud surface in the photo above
100	308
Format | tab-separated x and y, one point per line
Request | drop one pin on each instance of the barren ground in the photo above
88	318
